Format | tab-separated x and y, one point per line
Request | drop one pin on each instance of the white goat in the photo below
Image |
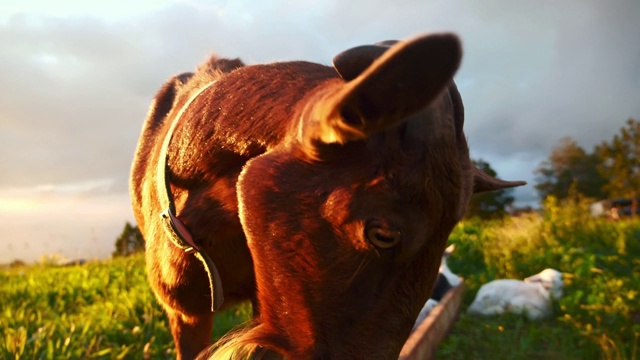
446	281
533	296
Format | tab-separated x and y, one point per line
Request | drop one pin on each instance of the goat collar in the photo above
176	230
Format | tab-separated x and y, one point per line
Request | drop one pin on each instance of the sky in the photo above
77	77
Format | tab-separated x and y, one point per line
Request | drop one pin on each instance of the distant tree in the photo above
569	165
17	263
493	204
129	241
620	162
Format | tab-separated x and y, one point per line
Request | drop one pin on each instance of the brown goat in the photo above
323	195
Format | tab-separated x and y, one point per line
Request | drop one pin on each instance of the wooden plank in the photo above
423	342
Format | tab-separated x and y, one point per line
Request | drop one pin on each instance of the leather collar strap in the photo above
175	228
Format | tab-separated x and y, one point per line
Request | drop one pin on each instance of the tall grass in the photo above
101	310
599	315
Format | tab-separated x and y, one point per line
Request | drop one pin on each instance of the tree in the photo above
129	241
491	204
620	162
17	263
569	165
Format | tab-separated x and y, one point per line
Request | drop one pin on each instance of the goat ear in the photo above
401	81
351	63
387	43
483	182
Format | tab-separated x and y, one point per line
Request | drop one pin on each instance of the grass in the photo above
101	310
105	310
599	315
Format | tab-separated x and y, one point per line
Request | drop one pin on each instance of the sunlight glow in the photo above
113	10
18	205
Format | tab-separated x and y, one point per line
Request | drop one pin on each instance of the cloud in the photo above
76	220
77	84
75	227
91	186
42	198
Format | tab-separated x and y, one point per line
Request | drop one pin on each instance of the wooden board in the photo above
423	342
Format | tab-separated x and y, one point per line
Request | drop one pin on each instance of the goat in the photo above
445	281
532	297
324	195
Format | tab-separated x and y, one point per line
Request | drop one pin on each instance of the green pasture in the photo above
105	310
100	310
599	315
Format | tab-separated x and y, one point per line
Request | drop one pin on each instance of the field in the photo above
599	315
105	310
100	310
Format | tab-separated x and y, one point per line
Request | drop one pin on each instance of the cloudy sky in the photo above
76	78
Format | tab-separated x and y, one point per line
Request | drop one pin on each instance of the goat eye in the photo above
383	238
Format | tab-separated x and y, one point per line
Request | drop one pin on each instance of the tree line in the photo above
610	170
